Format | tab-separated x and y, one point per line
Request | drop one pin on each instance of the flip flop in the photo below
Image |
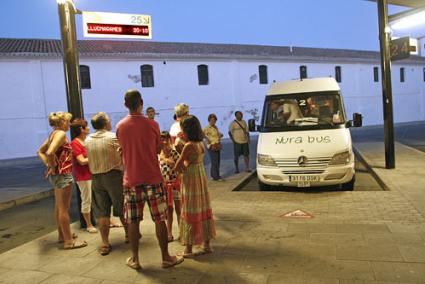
76	245
116	225
74	236
132	264
170	239
203	251
168	264
92	230
105	250
186	254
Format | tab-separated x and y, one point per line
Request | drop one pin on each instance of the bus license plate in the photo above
304	179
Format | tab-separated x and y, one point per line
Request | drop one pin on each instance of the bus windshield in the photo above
304	110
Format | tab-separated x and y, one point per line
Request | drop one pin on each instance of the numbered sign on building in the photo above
117	25
400	48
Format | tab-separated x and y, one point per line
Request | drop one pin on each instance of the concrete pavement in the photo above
21	182
354	237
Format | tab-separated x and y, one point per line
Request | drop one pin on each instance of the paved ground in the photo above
354	237
21	181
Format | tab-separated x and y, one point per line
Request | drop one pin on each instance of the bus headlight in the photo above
340	159
266	160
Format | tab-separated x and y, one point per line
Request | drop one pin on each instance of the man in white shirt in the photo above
181	111
238	132
291	111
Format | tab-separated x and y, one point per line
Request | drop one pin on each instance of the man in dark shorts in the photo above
106	167
238	132
139	138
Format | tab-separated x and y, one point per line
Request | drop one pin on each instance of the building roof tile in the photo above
137	49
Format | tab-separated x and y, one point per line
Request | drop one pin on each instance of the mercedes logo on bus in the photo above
302	161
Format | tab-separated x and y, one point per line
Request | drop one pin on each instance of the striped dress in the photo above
196	223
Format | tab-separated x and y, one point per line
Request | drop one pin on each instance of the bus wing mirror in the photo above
357	120
251	125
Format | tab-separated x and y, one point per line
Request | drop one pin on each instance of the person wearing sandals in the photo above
56	153
103	152
139	138
196	222
167	160
82	174
213	137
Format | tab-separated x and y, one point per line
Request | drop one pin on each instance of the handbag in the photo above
215	147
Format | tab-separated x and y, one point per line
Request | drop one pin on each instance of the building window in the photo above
375	74
402	74
303	72
85	77
147	75
203	74
262	70
423	71
338	74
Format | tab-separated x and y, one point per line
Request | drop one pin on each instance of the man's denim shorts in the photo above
61	181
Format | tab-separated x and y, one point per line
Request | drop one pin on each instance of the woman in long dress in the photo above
196	223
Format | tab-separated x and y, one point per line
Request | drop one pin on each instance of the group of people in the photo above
119	172
238	133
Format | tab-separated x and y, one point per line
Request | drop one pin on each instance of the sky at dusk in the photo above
348	24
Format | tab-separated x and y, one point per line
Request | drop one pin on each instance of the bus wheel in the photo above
349	186
262	186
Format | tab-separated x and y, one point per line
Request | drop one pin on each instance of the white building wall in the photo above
30	89
421	46
22	110
408	94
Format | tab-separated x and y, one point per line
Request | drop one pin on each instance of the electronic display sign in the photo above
116	25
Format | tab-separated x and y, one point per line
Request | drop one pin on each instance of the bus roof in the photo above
303	86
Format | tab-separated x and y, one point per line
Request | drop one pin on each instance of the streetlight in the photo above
71	66
67	11
401	20
387	95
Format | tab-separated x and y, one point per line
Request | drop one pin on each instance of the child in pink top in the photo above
167	159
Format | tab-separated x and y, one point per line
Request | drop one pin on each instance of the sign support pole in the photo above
71	66
384	39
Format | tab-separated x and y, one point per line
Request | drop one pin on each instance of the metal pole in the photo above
387	97
71	67
70	57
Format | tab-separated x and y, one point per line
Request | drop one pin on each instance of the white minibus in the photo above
304	137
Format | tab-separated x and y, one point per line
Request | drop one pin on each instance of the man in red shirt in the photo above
139	138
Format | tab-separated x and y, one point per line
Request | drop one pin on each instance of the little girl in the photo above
167	160
196	223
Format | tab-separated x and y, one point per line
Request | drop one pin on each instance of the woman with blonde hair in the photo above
56	153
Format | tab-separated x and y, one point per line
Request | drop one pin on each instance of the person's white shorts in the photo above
85	189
